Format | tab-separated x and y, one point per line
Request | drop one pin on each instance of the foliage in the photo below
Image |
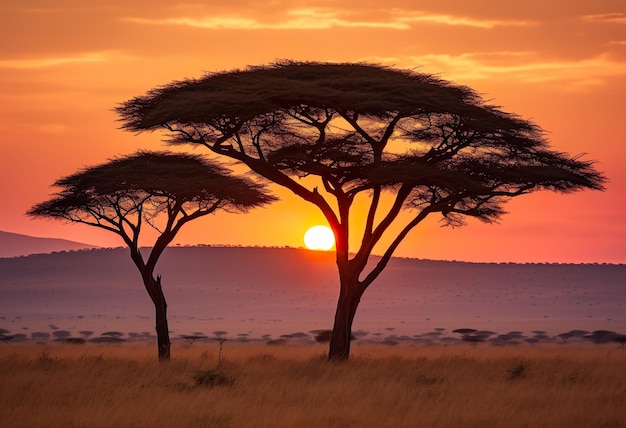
517	371
323	336
119	194
212	377
341	121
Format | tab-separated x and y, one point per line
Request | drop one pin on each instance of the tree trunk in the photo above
162	329
155	291
349	298
160	307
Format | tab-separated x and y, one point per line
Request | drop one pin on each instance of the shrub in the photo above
517	371
212	378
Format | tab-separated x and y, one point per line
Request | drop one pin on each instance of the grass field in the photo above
293	386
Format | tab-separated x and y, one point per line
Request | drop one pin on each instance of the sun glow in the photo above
319	238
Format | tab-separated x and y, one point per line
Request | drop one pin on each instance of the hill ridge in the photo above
16	245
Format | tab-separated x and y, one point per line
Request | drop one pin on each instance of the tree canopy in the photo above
361	127
147	184
361	130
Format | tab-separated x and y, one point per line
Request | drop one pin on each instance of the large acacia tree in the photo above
332	133
161	189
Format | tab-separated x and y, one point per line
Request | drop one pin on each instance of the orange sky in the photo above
65	64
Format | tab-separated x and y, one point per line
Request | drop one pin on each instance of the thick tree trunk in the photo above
349	298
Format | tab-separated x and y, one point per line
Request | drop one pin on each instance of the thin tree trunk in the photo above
155	291
349	298
162	329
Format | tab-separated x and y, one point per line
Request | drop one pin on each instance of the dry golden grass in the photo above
293	386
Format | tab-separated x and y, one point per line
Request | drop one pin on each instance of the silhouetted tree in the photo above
565	337
464	332
619	338
86	333
162	189
335	133
601	336
116	334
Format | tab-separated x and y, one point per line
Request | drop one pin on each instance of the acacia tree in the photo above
332	133
162	189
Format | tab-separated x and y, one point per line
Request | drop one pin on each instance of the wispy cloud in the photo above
325	18
32	63
520	66
616	17
298	19
425	17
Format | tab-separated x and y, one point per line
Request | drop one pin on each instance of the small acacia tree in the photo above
332	133
164	190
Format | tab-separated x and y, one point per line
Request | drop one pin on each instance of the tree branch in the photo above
368	244
384	260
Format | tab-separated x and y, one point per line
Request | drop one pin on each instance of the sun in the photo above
319	238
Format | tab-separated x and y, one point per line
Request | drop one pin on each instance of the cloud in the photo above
33	63
418	16
298	19
516	66
324	18
616	17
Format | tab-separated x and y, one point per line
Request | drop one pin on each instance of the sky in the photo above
65	65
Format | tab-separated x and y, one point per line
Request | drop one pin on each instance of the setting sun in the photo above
319	238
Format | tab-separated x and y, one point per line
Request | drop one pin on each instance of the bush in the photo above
324	336
212	378
517	371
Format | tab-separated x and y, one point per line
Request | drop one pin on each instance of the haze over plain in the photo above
286	290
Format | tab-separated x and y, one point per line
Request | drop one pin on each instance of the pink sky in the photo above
65	65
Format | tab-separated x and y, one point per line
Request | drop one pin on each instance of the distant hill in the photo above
250	292
15	245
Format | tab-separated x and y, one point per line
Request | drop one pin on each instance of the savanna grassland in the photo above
293	386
